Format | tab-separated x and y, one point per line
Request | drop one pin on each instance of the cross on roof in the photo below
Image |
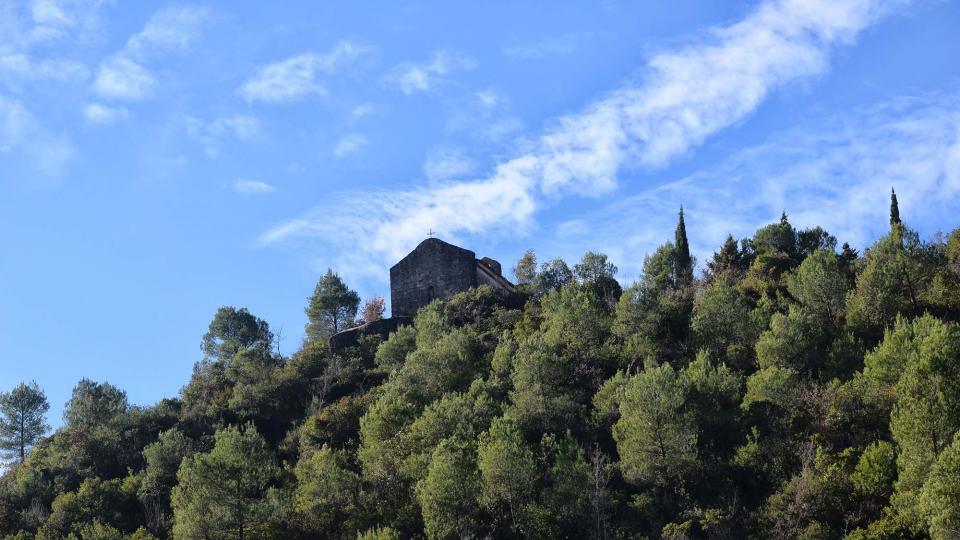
430	234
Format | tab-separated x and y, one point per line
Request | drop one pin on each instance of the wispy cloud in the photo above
101	114
484	115
33	36
298	76
363	110
42	22
833	171
124	76
546	47
412	77
362	244
682	96
172	29
349	144
122	79
15	120
211	134
20	132
252	187
18	68
448	164
50	13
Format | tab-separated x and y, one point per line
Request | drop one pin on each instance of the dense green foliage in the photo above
791	391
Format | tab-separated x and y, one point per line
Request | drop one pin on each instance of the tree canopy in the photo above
22	419
332	307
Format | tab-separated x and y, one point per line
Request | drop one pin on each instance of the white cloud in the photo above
349	144
25	26
243	127
172	29
550	46
448	164
412	78
363	110
15	120
123	79
47	21
102	114
123	76
489	99
683	96
500	129
298	76
835	172
460	207
51	154
483	115
49	13
252	187
211	134
21	133
18	68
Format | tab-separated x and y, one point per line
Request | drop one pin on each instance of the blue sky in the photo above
160	160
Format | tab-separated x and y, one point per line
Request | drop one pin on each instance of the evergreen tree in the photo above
684	261
895	279
596	274
729	259
821	286
553	275
326	491
221	493
332	307
233	330
941	494
526	269
93	404
22	419
163	458
448	494
656	435
894	209
508	472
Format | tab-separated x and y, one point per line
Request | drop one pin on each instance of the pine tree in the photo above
684	262
894	209
220	494
22	420
728	258
333	306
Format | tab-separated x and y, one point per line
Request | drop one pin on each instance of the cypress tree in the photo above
684	262
894	209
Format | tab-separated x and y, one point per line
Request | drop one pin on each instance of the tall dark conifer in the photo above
894	209
684	262
728	258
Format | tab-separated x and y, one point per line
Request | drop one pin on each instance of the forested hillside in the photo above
792	389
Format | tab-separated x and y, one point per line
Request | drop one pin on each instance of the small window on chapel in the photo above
430	294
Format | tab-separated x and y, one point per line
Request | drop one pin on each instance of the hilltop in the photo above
792	389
